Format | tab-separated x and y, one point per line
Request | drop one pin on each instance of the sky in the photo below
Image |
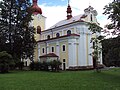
55	10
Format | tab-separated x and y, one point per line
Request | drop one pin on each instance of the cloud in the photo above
58	13
54	14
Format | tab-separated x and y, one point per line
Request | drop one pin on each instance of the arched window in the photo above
48	37
68	32
43	50
52	49
57	35
63	47
38	30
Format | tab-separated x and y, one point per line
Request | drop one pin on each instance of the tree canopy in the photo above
111	51
16	36
113	12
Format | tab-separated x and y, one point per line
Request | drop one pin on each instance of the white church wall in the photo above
72	52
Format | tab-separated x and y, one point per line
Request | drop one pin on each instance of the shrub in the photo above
55	65
31	66
5	61
46	66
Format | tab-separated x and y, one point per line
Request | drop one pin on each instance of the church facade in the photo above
67	41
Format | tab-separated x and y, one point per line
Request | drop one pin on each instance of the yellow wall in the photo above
38	20
41	47
64	54
52	45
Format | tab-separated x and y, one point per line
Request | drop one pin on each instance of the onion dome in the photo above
38	30
69	12
36	9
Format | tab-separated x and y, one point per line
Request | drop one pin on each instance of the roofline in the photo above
64	25
48	55
59	37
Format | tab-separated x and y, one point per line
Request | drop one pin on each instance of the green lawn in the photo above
68	80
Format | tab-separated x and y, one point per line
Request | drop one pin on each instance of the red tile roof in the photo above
49	55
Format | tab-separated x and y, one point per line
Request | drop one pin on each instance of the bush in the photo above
55	65
46	66
31	66
5	61
35	66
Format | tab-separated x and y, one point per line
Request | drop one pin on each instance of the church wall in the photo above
72	55
39	20
50	47
64	54
77	49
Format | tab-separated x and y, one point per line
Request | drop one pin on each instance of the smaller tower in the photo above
69	11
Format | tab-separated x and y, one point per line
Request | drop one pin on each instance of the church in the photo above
68	40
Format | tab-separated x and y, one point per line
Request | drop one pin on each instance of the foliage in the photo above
111	51
19	65
112	10
96	40
55	65
46	66
94	28
5	61
16	36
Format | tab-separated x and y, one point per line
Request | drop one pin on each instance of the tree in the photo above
16	36
111	51
113	12
97	49
5	61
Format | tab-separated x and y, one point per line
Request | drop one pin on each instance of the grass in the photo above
68	80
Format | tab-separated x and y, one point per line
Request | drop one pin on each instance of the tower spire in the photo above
69	11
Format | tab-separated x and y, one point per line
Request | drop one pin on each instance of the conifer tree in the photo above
16	35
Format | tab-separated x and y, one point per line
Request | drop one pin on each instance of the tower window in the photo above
52	49
38	30
68	32
63	47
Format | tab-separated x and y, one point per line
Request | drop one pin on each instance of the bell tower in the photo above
38	19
